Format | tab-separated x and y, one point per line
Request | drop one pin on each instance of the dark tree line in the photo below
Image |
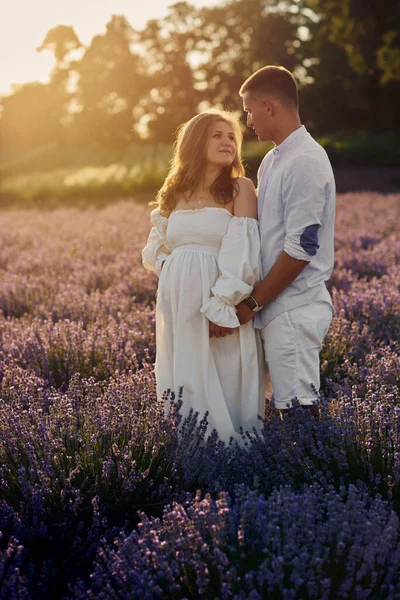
130	84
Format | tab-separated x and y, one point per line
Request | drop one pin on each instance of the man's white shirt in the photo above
296	213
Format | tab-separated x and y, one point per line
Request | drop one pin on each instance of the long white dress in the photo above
211	262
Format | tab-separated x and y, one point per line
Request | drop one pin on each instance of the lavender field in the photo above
99	497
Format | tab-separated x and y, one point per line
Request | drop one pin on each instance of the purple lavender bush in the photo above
12	583
307	508
316	545
55	351
96	455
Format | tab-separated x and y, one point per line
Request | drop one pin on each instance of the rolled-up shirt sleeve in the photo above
305	189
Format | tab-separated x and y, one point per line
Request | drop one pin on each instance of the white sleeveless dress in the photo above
211	262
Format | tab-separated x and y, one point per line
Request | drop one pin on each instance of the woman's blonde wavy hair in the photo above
189	162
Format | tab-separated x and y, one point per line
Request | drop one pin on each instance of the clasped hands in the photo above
244	314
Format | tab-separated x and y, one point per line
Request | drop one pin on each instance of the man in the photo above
296	209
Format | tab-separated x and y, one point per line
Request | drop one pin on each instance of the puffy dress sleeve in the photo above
239	263
156	249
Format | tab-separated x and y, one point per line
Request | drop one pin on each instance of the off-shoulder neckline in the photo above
192	210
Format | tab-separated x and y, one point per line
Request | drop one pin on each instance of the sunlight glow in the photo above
24	25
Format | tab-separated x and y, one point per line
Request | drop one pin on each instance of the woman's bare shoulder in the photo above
245	183
245	203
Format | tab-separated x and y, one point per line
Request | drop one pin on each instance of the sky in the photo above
24	24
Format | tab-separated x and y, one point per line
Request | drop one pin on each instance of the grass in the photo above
51	176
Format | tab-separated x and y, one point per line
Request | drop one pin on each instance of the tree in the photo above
200	57
169	47
111	81
361	35
33	114
60	40
244	36
127	83
29	119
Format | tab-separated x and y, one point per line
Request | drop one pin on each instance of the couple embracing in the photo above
242	274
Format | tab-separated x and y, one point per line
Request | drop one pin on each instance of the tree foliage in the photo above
128	84
355	45
111	81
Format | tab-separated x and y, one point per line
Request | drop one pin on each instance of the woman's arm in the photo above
244	207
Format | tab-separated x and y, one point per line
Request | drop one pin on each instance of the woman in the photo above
204	245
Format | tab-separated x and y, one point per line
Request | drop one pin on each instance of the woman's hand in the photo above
219	331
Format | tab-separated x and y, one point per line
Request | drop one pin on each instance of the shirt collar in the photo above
287	142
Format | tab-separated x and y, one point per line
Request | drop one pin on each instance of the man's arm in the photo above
304	193
281	275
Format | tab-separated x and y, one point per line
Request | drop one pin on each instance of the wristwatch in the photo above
253	304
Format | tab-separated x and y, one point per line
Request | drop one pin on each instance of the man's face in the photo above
257	119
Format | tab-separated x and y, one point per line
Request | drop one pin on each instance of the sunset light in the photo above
24	25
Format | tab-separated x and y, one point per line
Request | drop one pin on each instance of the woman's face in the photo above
221	148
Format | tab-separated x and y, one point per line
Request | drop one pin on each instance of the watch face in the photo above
251	303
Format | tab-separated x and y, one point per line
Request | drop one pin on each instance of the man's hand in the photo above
244	313
218	331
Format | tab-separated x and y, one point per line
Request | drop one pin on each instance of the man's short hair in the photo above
277	81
